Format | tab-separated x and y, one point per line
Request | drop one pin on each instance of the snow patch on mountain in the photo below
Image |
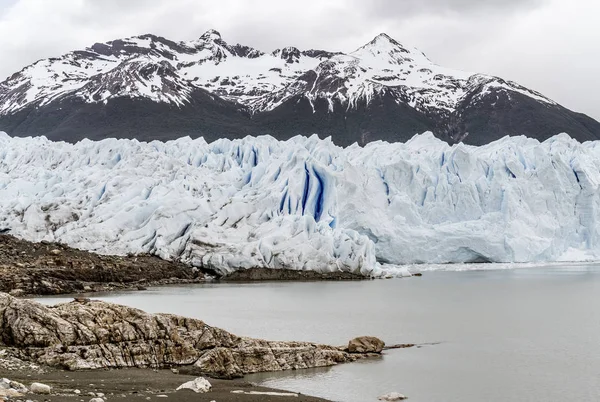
306	203
254	79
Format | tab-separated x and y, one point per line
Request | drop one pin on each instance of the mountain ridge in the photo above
385	89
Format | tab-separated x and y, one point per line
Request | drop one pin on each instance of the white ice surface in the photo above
306	203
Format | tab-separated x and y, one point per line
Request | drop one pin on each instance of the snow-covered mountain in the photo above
149	87
306	203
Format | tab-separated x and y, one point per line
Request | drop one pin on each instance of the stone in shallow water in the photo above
366	344
392	396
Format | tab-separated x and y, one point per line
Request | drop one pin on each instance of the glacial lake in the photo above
496	335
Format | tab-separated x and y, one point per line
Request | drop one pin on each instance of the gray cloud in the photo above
6	4
403	8
548	45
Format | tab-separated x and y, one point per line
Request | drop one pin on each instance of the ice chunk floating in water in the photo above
306	203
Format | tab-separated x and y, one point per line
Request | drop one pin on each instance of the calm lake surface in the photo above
506	335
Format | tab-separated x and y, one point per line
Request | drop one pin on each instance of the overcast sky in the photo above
552	46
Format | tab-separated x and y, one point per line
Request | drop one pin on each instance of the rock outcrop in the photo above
91	334
366	344
392	396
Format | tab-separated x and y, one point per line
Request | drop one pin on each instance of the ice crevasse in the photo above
307	204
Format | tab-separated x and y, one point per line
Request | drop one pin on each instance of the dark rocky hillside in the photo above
148	87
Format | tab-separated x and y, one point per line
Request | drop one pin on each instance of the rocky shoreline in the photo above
266	274
86	335
101	350
93	334
37	269
138	385
28	268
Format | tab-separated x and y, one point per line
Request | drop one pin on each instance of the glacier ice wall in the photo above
306	203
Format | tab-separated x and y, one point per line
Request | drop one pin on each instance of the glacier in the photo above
306	203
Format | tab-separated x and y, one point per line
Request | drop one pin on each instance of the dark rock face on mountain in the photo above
148	87
72	119
501	113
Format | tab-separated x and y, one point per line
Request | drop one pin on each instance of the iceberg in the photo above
306	203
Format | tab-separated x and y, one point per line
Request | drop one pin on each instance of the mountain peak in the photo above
385	49
385	37
290	54
383	42
211	40
204	83
211	34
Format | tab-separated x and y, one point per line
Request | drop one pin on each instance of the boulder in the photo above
17	292
11	389
392	396
39	388
366	344
9	393
5	383
200	385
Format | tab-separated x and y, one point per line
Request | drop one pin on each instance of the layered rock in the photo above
94	334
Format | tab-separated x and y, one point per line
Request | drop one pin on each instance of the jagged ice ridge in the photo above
306	203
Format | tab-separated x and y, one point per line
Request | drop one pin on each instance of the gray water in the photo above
510	335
